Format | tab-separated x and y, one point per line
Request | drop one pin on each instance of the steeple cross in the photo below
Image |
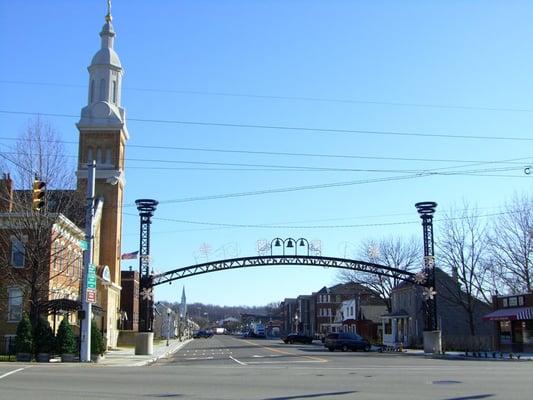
108	17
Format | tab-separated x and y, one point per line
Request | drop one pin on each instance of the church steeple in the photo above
105	83
103	137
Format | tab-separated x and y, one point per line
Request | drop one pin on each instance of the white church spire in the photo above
183	305
105	83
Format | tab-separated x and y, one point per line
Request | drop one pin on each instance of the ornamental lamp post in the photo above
432	336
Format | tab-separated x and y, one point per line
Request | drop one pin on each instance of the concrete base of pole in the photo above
144	344
432	342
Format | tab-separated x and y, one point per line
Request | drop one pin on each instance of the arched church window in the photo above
90	154
114	92
98	155
91	94
102	90
108	159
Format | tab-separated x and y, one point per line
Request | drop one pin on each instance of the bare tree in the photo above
40	249
462	245
393	252
511	244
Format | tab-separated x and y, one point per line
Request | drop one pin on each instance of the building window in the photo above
14	305
17	252
114	92
9	344
521	300
90	155
505	303
91	94
102	90
505	332
388	327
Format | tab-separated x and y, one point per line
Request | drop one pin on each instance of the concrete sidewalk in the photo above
125	357
459	355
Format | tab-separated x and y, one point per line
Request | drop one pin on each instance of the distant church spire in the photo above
183	305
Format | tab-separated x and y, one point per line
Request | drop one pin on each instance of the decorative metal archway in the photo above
284	260
425	278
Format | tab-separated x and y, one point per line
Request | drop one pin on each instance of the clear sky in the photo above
444	69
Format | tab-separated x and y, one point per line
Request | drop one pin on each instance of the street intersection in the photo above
226	367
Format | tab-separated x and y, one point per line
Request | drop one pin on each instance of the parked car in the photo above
346	341
202	334
297	338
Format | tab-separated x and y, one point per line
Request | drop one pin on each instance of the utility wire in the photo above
292	128
290	98
301	188
319	155
283	226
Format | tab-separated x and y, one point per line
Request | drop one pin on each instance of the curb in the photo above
165	354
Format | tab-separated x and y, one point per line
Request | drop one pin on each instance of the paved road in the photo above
224	367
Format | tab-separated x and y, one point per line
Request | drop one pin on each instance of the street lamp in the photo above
296	323
179	325
289	243
168	325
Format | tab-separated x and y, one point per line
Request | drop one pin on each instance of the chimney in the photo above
6	194
455	275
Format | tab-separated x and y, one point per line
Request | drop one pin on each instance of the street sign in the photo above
91	296
83	245
91	277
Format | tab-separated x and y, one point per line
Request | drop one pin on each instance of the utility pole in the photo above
85	328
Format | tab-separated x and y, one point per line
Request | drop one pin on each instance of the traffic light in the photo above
38	195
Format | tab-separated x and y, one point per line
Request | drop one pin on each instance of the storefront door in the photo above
518	336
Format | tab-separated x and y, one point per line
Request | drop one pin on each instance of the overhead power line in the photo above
292	128
293	154
338	226
309	187
290	98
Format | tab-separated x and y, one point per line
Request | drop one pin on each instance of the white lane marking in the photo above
256	356
237	361
200	358
284	362
12	372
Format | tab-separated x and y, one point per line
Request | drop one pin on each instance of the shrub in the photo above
66	341
44	337
97	340
24	339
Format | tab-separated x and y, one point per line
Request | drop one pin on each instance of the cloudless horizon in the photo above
361	99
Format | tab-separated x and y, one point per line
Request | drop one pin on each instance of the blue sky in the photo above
447	68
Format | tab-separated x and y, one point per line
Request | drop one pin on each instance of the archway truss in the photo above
261	261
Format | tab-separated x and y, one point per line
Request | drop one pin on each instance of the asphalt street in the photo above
225	367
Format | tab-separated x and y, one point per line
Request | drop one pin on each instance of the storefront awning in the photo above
510	314
55	306
398	314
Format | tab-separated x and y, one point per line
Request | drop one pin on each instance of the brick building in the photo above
129	303
41	261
